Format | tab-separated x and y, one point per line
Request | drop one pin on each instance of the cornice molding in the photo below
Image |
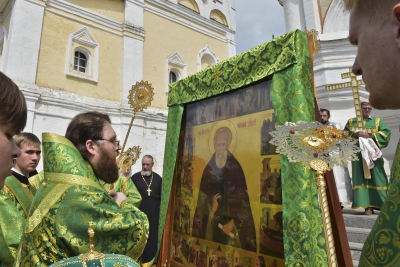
93	16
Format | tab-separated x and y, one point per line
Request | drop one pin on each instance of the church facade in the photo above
71	56
335	57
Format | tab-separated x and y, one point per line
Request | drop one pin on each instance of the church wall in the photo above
53	54
113	9
165	37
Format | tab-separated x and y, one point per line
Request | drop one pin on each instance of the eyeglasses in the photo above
367	108
114	142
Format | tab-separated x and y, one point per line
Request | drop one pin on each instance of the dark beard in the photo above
106	168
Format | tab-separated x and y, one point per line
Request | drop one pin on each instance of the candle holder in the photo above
318	147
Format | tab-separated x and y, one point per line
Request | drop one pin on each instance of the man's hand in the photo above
112	192
215	205
117	196
362	134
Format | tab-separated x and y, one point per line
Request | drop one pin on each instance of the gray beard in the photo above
145	173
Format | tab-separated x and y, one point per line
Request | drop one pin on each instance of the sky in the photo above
256	22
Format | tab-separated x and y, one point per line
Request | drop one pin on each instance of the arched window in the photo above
80	62
172	77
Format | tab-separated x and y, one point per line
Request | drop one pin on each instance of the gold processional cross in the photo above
354	83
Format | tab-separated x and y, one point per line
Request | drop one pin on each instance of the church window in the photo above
82	56
80	62
206	58
172	77
219	17
175	69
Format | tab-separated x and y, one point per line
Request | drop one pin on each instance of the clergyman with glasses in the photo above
72	194
370	182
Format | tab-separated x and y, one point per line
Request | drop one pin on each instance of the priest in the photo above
370	183
149	186
72	195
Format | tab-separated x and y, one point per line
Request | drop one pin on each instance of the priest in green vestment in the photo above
16	197
73	194
369	190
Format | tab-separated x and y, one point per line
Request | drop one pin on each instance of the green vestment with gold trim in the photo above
68	199
382	247
15	200
370	192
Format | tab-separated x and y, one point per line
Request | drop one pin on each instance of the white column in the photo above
294	14
132	46
311	13
24	34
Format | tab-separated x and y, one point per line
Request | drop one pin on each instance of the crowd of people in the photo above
45	216
70	191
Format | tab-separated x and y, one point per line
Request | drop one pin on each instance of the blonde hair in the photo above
26	139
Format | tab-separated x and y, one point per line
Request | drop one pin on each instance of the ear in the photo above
396	21
91	147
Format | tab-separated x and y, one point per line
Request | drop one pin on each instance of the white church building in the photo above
331	20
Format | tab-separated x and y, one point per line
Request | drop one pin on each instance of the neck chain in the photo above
148	185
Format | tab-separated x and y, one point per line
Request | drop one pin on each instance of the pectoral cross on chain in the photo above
148	191
353	84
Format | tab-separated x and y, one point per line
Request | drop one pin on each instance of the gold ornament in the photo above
319	147
91	255
128	158
140	96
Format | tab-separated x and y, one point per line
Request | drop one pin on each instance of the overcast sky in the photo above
256	22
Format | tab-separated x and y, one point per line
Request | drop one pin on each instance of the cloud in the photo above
256	22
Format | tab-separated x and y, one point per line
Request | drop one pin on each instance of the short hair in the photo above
365	103
325	110
223	130
86	126
149	157
26	139
376	11
13	111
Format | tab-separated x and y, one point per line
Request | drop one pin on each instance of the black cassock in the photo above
234	205
150	205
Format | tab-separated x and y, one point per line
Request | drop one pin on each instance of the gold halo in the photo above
225	123
128	158
140	96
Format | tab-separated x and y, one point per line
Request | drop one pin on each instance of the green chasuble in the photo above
68	199
370	192
382	247
15	200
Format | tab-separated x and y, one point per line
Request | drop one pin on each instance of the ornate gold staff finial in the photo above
140	97
313	34
320	148
92	254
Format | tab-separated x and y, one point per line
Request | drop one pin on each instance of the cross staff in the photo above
354	83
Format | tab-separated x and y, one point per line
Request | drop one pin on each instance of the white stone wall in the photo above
51	110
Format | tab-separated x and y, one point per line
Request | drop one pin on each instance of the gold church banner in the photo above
230	200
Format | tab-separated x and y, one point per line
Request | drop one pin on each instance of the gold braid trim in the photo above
370	187
71	179
26	191
45	205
